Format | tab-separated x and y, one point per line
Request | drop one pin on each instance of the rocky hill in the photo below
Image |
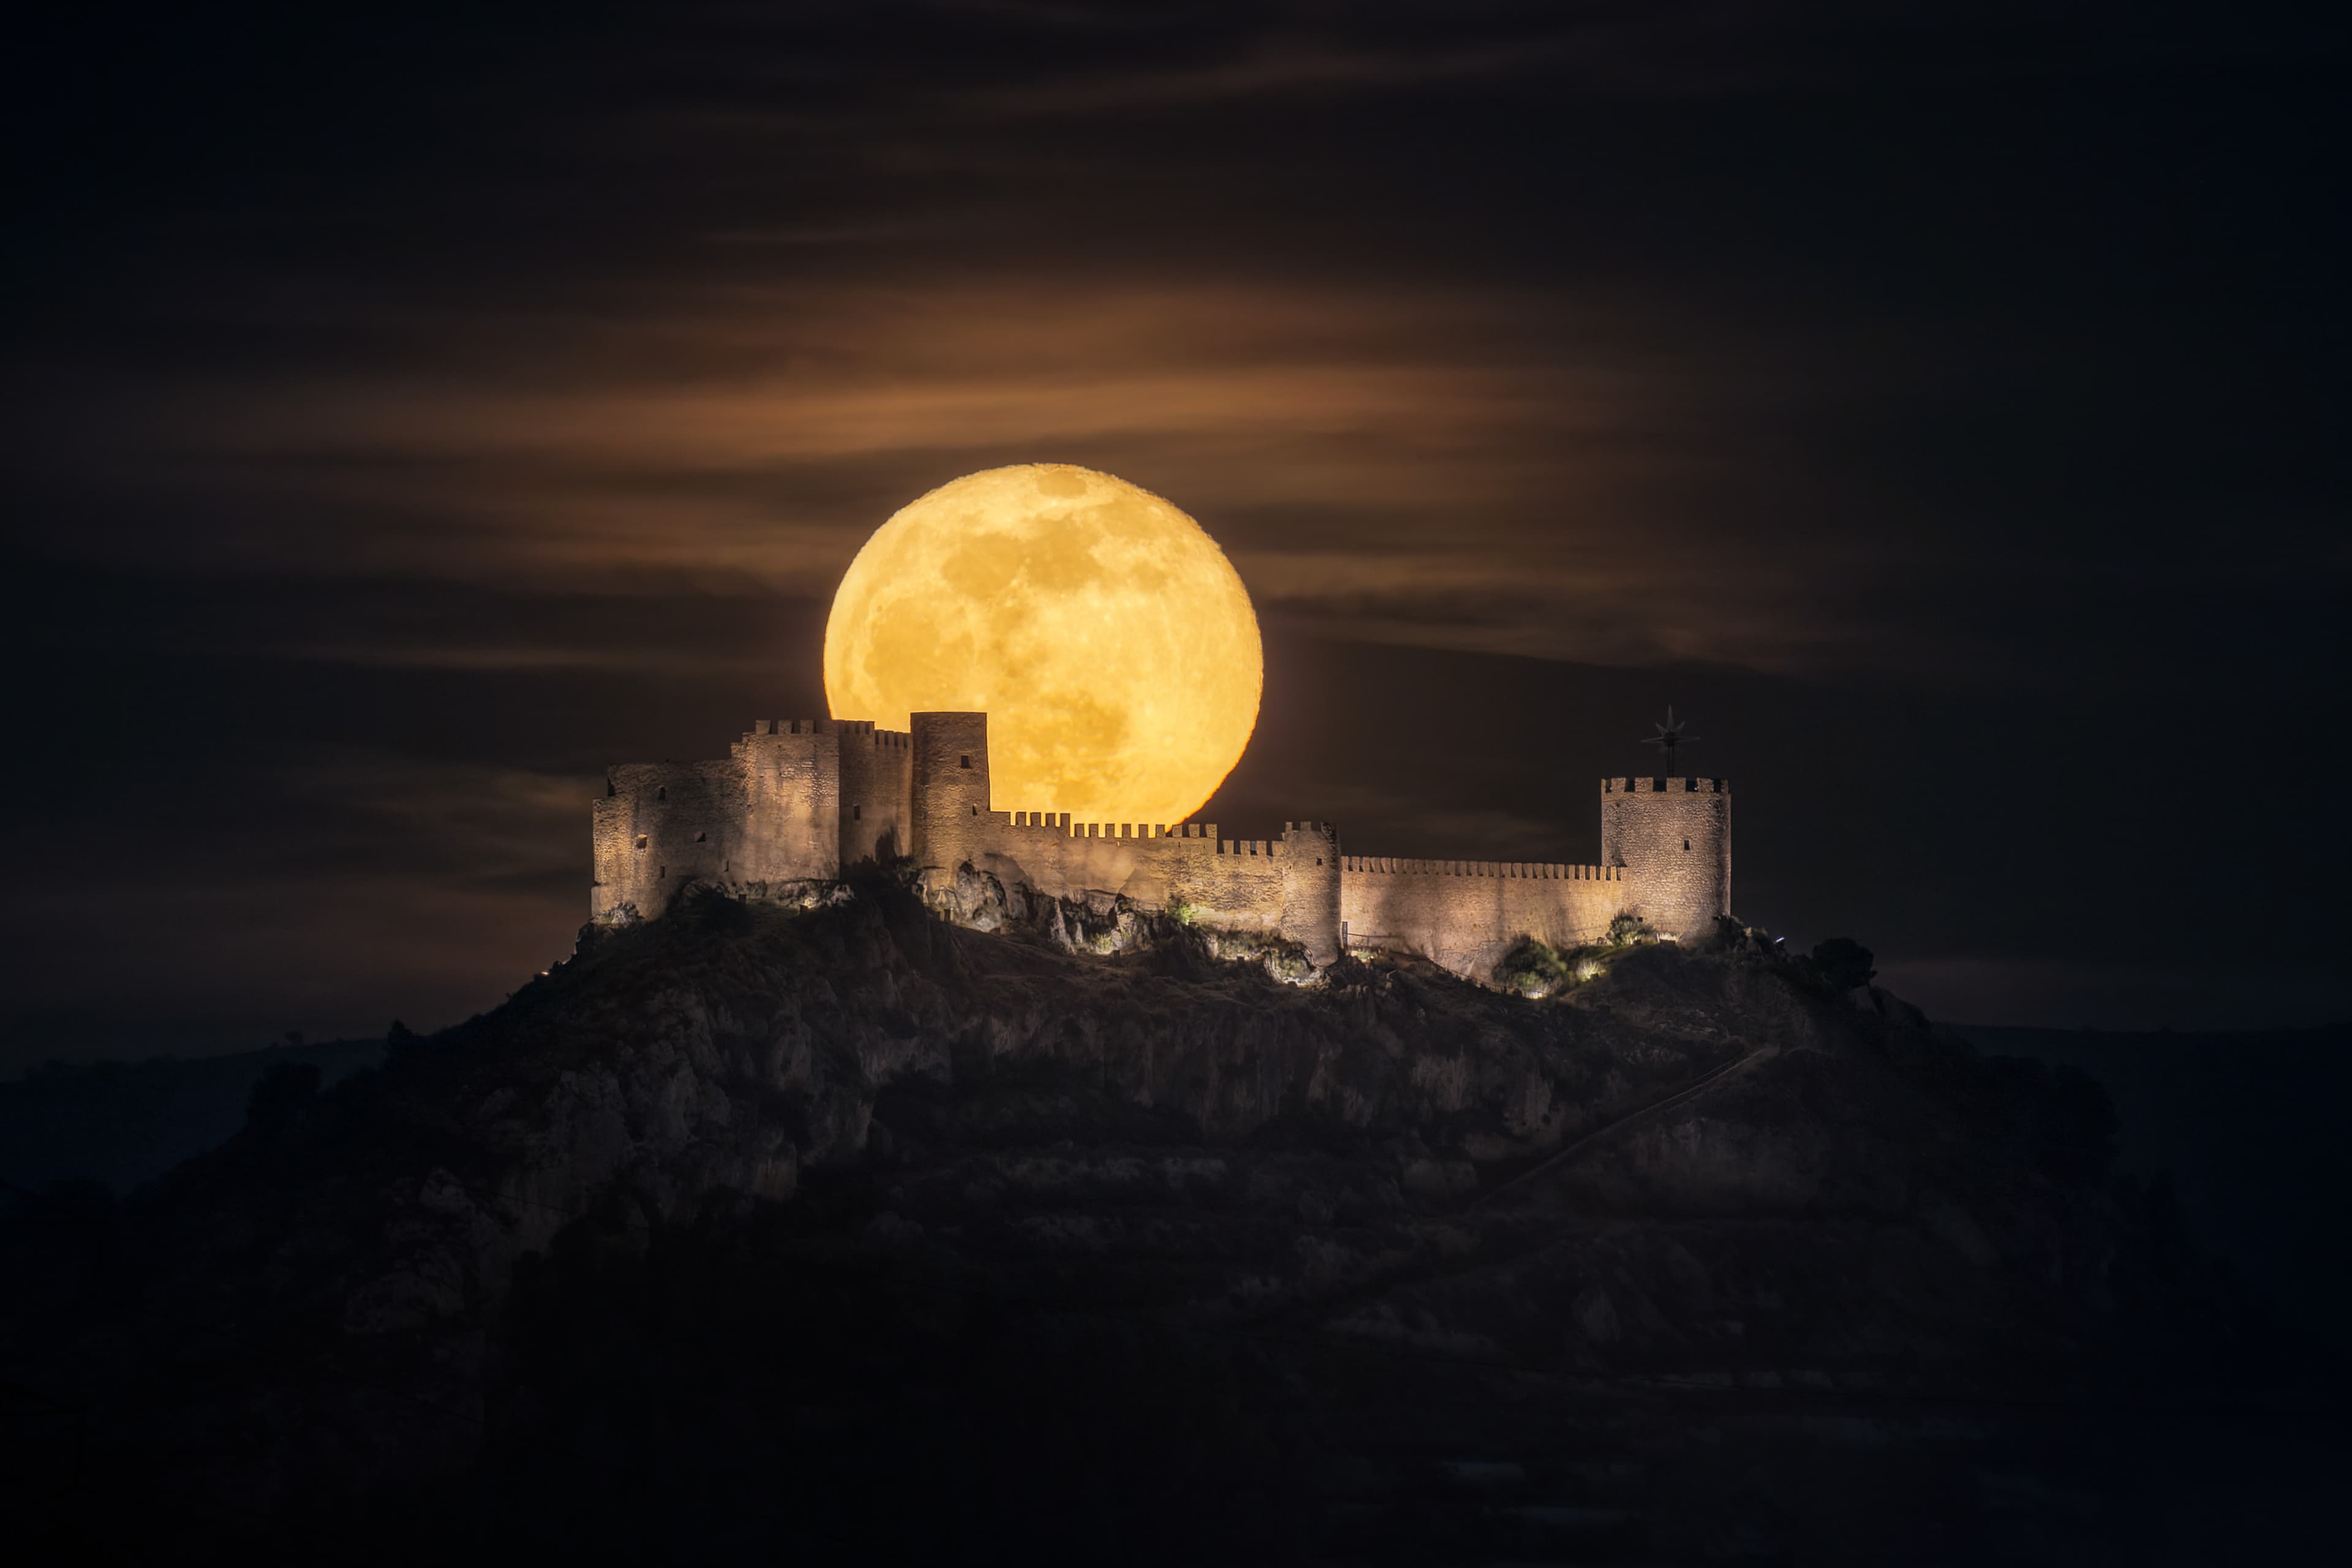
854	1235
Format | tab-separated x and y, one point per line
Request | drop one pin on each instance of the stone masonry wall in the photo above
659	826
948	790
877	791
1311	888
1465	915
792	785
1226	882
1673	837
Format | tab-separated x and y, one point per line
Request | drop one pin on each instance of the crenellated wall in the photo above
1225	882
800	799
1465	914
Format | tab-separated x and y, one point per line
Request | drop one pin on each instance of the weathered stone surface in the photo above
820	1205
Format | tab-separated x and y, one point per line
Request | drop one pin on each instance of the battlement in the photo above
1198	836
887	739
1506	870
1666	787
1059	823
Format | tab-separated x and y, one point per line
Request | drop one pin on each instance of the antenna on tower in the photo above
1669	739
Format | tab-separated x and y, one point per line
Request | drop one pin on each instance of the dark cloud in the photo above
415	404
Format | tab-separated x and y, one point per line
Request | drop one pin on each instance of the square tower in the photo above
1673	837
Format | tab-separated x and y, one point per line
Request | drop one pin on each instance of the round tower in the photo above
1310	888
1673	837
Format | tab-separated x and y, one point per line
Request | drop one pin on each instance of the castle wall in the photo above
659	826
1673	837
1048	852
1465	915
791	786
800	799
1232	882
1229	882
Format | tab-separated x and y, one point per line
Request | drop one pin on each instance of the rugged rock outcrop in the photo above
1069	1238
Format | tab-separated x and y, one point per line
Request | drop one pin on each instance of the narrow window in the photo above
662	872
700	837
964	762
641	841
975	811
1685	846
856	814
662	793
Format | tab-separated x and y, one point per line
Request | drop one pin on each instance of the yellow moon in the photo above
1106	636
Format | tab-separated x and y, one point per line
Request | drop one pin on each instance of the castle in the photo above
798	800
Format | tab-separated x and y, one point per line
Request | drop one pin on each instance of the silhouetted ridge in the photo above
891	1239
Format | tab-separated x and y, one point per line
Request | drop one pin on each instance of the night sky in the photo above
412	410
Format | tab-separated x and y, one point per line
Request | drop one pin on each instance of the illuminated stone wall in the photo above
791	832
948	790
1673	837
1312	888
876	792
1236	883
794	801
1464	915
659	826
800	799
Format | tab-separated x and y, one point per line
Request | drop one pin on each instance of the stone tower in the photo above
1673	837
947	788
1310	888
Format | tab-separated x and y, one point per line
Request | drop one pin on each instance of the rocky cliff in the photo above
855	1235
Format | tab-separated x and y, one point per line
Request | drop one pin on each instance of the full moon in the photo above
1110	640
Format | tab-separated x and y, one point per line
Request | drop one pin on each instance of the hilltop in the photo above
883	1236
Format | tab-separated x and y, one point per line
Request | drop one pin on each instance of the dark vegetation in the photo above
854	1236
1535	968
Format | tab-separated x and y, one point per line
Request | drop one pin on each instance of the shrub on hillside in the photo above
1532	968
1627	929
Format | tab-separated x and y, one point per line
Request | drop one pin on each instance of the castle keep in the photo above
800	799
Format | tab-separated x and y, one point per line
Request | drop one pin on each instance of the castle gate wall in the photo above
1465	915
1673	837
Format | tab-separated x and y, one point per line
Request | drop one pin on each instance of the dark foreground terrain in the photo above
851	1236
